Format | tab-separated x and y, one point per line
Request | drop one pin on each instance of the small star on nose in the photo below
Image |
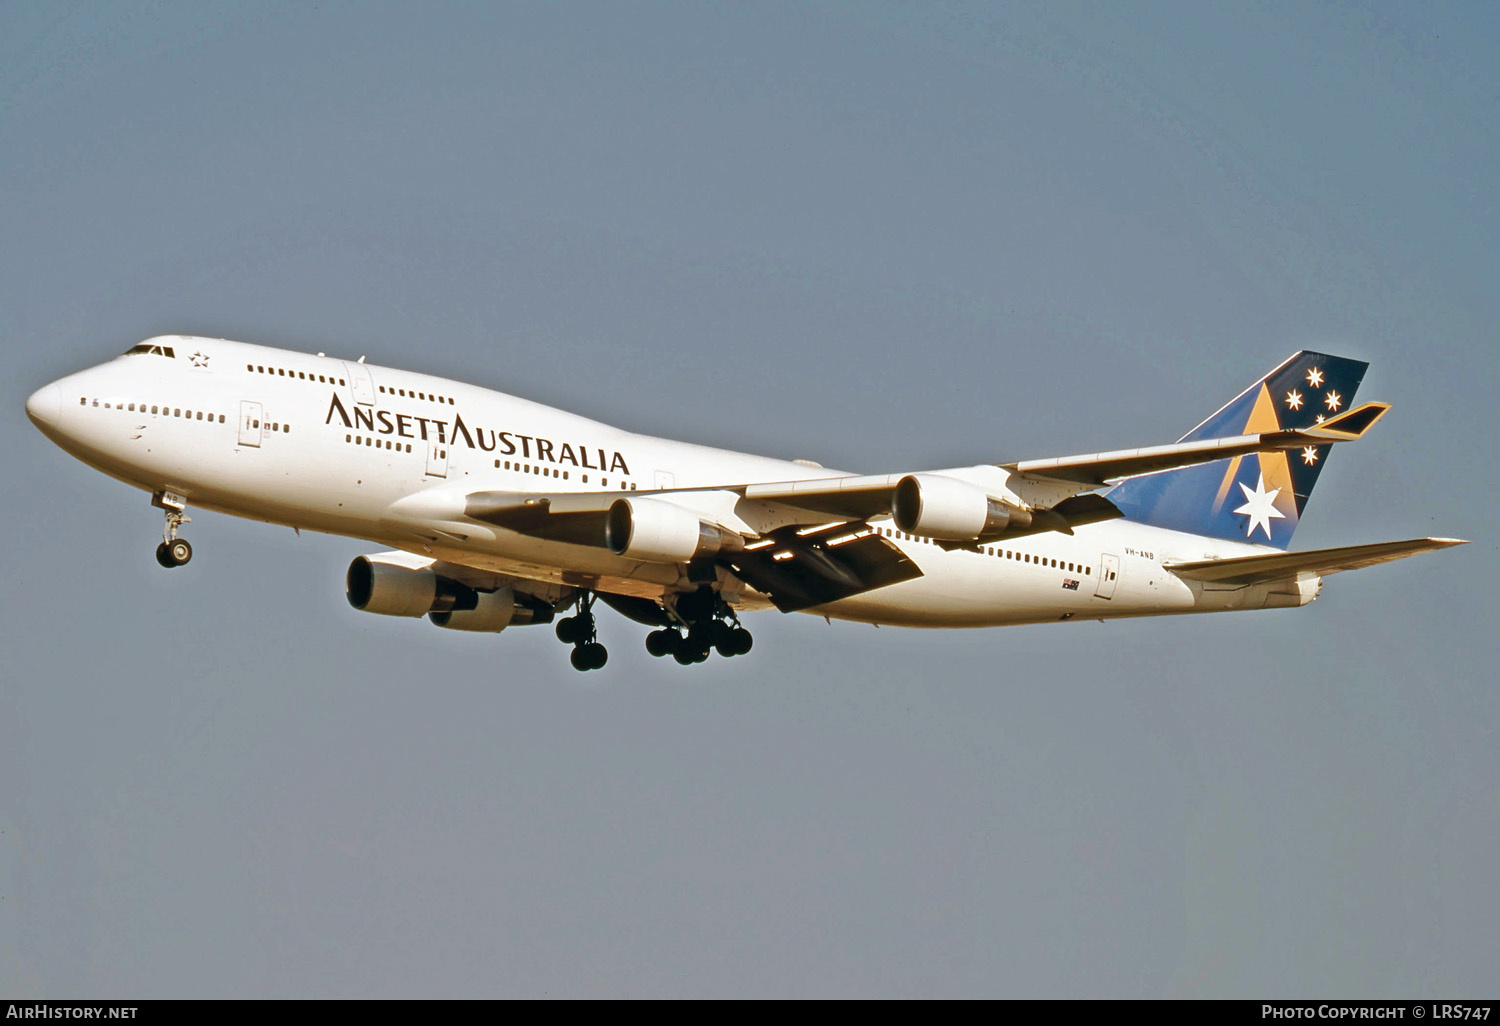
199	360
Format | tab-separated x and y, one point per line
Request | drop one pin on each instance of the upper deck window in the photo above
147	348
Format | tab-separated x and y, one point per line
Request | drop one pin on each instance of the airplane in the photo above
498	512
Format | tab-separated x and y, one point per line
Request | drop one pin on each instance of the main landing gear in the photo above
710	623
698	623
580	631
174	551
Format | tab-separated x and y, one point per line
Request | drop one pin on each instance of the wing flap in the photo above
1270	566
800	571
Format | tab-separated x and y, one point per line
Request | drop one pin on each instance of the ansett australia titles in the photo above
452	432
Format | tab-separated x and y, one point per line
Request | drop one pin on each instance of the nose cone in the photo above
45	406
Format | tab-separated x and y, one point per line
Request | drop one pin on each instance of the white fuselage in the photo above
389	455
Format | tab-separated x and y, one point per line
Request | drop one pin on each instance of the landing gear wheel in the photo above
662	643
570	631
740	641
174	553
591	656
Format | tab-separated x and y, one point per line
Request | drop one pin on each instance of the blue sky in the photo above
883	237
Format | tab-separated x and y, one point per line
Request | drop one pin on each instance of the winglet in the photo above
1348	425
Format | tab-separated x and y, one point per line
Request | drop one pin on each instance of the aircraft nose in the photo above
44	406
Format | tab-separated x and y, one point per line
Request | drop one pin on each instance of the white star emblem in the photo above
1294	399
1333	399
1315	378
1320	418
1310	455
1258	505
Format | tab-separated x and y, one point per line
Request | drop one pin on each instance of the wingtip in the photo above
1350	424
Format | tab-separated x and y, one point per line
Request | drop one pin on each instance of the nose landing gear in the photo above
173	551
580	631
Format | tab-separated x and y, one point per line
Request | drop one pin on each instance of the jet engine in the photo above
661	532
391	589
493	611
934	506
394	589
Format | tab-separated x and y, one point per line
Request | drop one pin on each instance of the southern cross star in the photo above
1315	378
1258	504
1294	399
1310	455
1333	399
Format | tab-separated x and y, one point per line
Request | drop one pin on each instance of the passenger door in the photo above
250	423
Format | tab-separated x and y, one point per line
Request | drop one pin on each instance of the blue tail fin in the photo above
1257	498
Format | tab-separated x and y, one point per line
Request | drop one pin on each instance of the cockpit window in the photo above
146	348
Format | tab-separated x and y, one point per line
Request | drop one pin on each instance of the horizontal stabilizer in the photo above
1273	565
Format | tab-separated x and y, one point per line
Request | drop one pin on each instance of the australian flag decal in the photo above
1070	584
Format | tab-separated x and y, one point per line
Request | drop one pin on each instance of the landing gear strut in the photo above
580	631
710	624
174	551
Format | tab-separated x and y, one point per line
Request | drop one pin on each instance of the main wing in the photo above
807	543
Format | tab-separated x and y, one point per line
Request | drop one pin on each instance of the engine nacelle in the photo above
493	612
661	532
391	589
934	506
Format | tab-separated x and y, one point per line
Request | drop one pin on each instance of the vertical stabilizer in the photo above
1257	498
